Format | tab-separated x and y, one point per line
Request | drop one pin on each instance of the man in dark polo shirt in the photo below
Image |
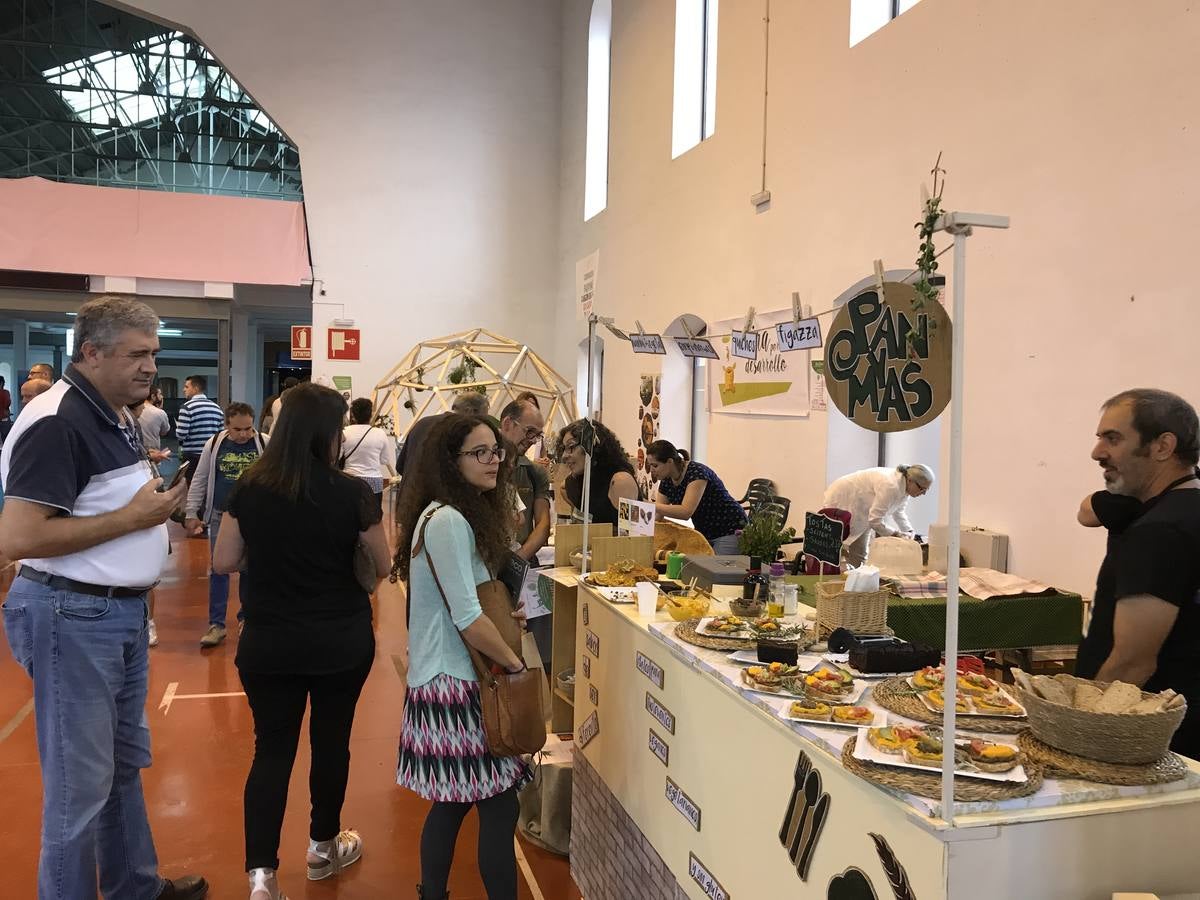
1145	627
85	515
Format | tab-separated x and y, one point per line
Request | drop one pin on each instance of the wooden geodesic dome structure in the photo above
426	381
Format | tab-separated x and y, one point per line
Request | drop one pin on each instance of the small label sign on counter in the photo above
587	666
682	802
650	669
802	335
660	748
647	343
664	716
589	729
593	695
592	640
699	874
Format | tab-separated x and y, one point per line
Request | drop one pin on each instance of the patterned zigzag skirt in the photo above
444	755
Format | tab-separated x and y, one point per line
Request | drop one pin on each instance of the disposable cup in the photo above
647	597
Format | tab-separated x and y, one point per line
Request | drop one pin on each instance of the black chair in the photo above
758	491
778	508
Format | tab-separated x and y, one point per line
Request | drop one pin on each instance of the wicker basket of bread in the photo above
1114	723
861	612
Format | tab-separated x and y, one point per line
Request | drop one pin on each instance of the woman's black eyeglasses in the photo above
484	455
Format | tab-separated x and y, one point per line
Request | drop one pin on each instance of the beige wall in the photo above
1077	119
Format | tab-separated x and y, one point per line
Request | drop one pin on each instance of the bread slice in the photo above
1149	705
1086	695
1051	690
1120	697
1023	680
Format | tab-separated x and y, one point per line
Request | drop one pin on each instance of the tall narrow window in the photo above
595	166
695	108
868	16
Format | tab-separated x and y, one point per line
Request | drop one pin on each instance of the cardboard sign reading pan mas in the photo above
887	364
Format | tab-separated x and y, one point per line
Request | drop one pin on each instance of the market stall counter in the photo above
688	783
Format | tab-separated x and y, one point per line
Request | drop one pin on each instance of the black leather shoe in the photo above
189	887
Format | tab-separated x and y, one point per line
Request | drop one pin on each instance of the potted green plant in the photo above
762	537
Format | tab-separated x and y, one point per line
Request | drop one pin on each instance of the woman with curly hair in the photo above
457	516
612	473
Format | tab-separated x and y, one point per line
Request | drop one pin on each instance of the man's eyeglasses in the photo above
532	431
484	455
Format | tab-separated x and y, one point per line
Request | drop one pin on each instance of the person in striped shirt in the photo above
199	419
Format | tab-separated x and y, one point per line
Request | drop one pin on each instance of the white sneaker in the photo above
263	885
153	632
330	857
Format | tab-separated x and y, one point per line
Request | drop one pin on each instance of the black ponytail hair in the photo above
665	451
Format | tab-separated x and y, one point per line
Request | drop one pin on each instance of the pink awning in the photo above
46	226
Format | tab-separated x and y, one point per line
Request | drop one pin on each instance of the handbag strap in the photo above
346	456
482	669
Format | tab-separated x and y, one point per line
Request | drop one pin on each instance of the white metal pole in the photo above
587	463
950	692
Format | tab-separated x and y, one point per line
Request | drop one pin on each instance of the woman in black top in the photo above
612	473
296	520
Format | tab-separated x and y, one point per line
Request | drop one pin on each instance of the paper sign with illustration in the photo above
635	517
772	383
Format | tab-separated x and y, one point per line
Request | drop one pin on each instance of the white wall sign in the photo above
659	748
635	517
744	344
774	383
650	669
647	343
593	695
587	666
696	348
682	802
711	887
589	729
586	272
592	640
662	715
802	335
585	615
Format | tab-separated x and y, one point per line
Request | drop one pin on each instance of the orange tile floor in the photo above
202	752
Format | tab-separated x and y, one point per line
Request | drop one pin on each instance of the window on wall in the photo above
868	16
695	115
595	167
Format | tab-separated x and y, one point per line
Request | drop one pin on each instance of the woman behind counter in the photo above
612	473
691	490
876	500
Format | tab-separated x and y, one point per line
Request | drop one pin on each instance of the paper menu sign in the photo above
586	272
744	344
635	517
647	343
802	335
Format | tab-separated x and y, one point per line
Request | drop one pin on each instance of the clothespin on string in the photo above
687	329
640	330
607	322
795	307
746	328
879	279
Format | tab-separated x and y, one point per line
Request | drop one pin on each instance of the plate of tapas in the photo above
913	747
995	703
818	712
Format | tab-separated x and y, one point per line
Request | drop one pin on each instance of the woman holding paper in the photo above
691	490
876	500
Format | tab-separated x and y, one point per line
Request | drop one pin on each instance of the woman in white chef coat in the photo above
876	500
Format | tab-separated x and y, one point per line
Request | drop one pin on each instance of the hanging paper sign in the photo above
823	538
802	335
593	695
586	272
659	748
647	343
592	640
696	348
709	885
887	361
744	344
589	729
650	669
682	802
587	667
663	715
585	615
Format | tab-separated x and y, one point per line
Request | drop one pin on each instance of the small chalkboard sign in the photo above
823	538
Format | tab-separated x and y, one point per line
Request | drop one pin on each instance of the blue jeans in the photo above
726	545
88	658
218	585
